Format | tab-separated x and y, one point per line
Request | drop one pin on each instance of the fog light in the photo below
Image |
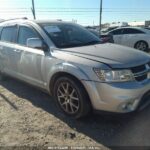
127	106
130	106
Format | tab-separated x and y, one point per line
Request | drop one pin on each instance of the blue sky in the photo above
86	12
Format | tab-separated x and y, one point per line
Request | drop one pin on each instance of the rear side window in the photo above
25	33
132	31
117	32
1	30
8	34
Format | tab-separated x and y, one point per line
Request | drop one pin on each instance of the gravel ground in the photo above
29	117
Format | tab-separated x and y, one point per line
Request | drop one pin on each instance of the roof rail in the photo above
24	18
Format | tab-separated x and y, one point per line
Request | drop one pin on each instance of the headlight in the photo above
114	75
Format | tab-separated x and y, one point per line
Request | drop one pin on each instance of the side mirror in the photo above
37	43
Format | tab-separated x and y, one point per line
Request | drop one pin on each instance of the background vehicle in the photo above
105	38
148	28
135	37
71	64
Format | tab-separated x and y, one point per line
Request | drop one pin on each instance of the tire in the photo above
71	97
142	45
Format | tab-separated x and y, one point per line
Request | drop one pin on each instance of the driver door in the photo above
30	66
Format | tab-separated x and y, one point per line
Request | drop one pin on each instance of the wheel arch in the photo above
63	69
63	74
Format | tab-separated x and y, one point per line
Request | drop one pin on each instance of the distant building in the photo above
106	25
135	23
140	23
119	24
1	20
147	23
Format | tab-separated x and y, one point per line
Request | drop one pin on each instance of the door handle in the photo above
17	51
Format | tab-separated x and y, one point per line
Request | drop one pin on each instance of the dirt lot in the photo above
30	117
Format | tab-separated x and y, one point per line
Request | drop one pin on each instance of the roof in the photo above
34	21
129	27
50	21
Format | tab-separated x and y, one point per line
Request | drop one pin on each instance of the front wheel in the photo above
141	45
71	97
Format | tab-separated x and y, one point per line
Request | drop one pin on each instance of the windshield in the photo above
69	35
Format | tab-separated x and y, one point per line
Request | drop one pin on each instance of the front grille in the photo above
141	78
138	69
141	72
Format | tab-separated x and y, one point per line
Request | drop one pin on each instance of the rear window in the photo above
116	32
132	31
8	34
0	30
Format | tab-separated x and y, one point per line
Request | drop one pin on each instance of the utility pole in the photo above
33	9
100	15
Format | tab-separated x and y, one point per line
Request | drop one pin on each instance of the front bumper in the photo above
117	97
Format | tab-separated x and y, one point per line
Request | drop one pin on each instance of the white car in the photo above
135	37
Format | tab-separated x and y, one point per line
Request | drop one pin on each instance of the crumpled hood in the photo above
115	56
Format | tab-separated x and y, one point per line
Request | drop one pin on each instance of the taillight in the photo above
105	39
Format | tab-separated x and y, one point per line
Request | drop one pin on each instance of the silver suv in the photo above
71	64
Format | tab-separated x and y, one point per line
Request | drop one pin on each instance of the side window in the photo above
0	30
117	32
25	33
132	31
8	34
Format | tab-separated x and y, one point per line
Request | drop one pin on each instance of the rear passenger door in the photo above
130	36
9	59
117	35
30	66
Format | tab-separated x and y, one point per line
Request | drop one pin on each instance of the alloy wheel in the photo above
141	46
68	98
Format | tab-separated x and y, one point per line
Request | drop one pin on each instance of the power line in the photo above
23	10
63	8
70	13
44	11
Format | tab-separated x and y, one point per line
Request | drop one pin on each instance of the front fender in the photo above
67	68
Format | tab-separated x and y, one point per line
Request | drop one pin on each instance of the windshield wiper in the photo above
79	44
70	45
93	42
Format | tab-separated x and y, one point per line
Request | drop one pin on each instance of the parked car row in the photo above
105	38
135	37
71	64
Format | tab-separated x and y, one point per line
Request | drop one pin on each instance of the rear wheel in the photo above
142	45
71	97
